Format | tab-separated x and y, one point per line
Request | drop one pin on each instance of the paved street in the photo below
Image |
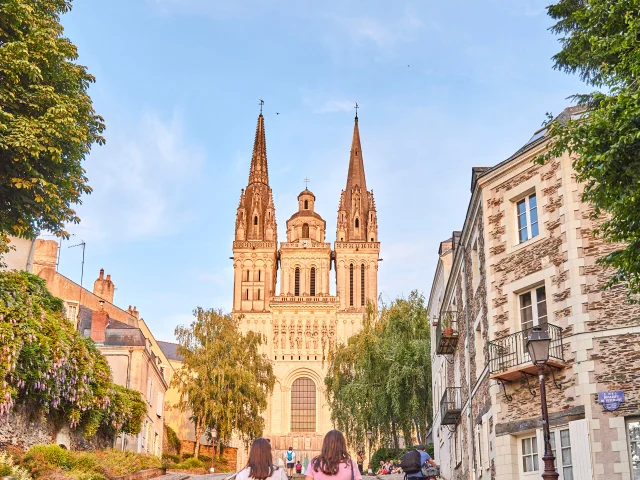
222	476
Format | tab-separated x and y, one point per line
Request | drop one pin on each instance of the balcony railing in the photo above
447	333
451	406
509	358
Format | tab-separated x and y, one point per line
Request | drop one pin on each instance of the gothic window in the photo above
351	285
247	275
297	282
306	204
303	405
255	220
259	274
312	282
362	285
305	230
357	223
246	295
258	294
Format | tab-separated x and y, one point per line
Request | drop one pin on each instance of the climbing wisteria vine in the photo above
50	368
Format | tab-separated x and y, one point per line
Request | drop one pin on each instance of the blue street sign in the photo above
611	400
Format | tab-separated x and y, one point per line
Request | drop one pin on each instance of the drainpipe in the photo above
31	252
472	466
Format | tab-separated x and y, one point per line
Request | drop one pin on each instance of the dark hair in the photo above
333	453
420	447
260	462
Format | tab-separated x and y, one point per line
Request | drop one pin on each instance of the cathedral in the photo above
302	319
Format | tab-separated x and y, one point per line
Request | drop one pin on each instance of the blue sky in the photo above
443	86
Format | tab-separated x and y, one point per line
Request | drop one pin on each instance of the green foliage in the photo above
381	379
385	454
601	42
173	441
54	461
171	458
224	380
47	120
50	368
10	469
189	464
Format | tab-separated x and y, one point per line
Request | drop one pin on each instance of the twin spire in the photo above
259	172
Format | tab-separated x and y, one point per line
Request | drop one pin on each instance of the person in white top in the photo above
260	465
290	459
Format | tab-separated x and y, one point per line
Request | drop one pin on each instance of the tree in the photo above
601	42
381	379
47	120
224	380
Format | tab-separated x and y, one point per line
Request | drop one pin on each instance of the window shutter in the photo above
485	444
540	442
159	404
581	449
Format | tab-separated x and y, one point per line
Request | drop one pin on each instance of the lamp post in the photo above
538	347
214	434
369	435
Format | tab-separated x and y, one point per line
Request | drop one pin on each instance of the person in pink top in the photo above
334	462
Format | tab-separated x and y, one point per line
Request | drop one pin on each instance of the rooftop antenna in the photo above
83	245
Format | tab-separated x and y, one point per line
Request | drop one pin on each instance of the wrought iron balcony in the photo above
451	406
447	333
509	359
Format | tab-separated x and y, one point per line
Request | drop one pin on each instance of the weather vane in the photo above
262	103
306	183
356	107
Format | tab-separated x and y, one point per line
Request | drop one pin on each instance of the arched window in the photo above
305	230
296	286
306	204
312	282
246	296
303	405
259	274
357	222
258	294
247	275
351	285
255	220
362	285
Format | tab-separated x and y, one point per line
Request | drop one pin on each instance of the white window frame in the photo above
629	443
534	306
527	217
535	456
475	266
67	305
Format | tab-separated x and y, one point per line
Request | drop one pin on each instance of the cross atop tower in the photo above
262	103
306	183
356	107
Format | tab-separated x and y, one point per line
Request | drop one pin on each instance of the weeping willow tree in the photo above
381	379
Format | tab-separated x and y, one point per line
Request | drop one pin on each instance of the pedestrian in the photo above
290	458
413	461
260	465
298	468
334	461
360	461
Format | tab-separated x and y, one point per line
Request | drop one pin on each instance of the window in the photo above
247	275
533	308
71	312
362	285
312	282
303	405
246	295
258	294
305	230
351	285
479	347
255	220
357	223
527	211
478	447
259	275
475	267
296	284
529	455
458	446
633	430
306	204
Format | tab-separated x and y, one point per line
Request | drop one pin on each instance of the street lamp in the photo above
369	435
214	434
538	348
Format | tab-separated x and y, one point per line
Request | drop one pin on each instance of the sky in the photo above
442	87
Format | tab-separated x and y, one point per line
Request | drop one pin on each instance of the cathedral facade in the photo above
283	291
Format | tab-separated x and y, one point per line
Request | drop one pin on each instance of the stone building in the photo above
304	318
135	358
526	256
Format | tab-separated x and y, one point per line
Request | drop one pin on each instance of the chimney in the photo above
45	255
104	287
99	322
133	312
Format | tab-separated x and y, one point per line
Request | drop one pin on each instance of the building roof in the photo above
117	333
170	350
306	191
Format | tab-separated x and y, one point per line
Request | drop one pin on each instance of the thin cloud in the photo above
333	106
136	180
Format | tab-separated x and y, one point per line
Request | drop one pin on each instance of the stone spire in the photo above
356	177
259	172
